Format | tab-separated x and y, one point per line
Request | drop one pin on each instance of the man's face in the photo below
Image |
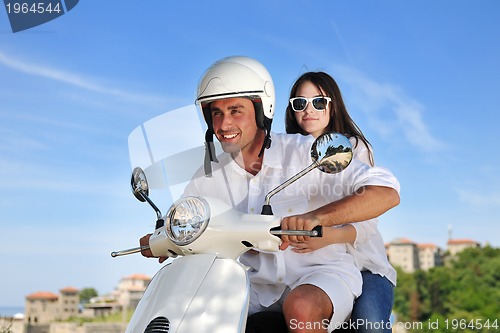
234	124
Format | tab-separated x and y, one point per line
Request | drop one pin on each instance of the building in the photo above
126	296
131	288
457	245
99	309
44	307
45	310
69	301
410	256
429	255
403	252
41	307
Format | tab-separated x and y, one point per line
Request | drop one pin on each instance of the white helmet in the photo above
237	77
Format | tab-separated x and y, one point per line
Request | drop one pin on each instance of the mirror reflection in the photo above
139	184
332	152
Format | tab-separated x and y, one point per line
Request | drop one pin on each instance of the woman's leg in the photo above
372	310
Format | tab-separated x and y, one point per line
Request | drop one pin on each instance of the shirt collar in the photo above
273	155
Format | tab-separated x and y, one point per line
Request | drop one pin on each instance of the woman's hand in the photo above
313	243
298	222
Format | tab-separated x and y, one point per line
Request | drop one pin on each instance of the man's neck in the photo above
248	158
251	164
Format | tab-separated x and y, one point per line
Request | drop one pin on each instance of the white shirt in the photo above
368	249
271	273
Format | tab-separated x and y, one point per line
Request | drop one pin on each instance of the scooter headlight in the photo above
187	219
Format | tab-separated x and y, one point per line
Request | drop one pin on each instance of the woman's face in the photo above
312	121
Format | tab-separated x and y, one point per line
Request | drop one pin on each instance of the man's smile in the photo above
228	136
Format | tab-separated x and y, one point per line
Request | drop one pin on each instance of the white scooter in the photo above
205	288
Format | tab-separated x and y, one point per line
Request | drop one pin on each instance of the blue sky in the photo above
421	79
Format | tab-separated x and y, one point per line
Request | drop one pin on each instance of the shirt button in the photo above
280	279
252	210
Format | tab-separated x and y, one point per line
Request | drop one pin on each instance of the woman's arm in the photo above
353	233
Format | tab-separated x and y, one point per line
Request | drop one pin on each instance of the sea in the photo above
10	311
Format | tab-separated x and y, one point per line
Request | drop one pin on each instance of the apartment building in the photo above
403	252
411	256
429	255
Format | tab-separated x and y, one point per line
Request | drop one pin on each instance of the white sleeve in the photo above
363	175
360	150
364	231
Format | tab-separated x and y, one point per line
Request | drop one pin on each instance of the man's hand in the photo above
145	241
147	253
297	222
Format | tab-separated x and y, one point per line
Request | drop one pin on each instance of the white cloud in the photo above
389	110
14	141
75	80
479	199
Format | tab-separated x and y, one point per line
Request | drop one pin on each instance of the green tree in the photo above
406	286
466	290
439	284
86	294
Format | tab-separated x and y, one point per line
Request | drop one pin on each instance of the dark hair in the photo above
340	120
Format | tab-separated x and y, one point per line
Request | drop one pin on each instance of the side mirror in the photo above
139	184
331	152
140	189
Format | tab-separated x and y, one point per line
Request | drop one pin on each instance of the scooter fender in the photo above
197	293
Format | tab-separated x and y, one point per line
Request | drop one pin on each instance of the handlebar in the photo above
317	231
129	251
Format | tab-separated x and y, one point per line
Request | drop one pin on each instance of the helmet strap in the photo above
209	152
267	139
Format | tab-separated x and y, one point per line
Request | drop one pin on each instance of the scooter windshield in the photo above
169	148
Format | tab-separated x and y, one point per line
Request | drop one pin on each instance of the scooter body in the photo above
204	288
198	293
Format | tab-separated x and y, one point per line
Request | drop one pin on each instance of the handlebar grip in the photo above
129	251
317	231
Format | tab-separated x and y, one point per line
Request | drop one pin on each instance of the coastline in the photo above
10	311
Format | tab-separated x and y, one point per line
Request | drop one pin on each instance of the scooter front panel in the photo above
199	293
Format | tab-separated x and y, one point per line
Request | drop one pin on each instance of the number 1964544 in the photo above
34	8
476	324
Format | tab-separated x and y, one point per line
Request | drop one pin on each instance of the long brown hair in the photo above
340	120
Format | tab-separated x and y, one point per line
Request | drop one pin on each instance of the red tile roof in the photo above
138	277
402	241
69	290
47	295
427	245
462	241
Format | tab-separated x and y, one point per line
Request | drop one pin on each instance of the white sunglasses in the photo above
319	103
